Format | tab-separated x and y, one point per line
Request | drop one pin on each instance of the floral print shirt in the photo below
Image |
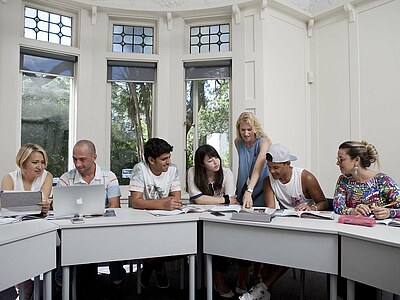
379	191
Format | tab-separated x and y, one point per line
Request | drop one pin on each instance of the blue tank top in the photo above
247	160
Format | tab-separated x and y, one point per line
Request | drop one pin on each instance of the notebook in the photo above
82	200
15	203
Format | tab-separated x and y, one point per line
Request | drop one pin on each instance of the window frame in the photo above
59	9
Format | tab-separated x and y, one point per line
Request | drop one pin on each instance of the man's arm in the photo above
268	193
114	202
173	201
312	190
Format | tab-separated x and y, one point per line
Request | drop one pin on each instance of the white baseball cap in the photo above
280	154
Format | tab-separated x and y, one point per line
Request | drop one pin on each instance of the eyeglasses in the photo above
340	159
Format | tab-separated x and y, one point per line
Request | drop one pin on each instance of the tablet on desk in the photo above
13	203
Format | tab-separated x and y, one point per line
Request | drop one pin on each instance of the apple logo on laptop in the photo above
79	201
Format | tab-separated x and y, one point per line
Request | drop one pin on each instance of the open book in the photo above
185	209
391	222
226	208
318	214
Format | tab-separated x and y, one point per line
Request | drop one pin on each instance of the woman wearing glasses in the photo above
360	190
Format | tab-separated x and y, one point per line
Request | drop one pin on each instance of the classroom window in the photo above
210	38
133	39
207	108
47	26
132	86
46	97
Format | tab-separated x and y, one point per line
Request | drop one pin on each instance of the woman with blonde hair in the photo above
252	145
30	176
361	191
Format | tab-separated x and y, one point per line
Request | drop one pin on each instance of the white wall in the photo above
356	93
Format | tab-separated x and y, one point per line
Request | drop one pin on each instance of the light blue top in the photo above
247	160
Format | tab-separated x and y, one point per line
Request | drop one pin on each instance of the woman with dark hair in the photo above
361	191
208	181
211	183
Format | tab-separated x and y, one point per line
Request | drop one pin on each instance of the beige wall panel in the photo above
250	80
333	101
379	42
284	85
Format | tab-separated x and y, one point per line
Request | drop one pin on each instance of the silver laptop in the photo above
15	203
82	200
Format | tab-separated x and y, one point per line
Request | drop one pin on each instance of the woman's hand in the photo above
362	209
45	204
247	200
381	212
233	200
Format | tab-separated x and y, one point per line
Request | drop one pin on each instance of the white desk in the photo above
370	256
28	249
132	234
293	242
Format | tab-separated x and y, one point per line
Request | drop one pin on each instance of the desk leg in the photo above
192	277
209	277
351	289
36	288
47	286
65	283
333	286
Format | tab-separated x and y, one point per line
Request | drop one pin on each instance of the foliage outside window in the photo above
45	117
46	93
207	117
210	38
133	39
47	26
131	113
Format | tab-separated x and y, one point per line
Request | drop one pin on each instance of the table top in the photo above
13	232
127	216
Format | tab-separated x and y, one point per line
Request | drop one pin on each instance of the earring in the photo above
355	168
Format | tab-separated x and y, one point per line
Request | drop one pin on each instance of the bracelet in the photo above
315	206
249	190
227	200
392	213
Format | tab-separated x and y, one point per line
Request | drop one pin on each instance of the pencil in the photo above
390	204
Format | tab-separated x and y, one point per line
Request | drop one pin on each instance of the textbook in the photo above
255	215
226	208
313	214
390	222
184	210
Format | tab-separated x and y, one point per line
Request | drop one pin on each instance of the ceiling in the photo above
309	8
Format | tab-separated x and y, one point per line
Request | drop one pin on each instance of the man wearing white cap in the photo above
293	187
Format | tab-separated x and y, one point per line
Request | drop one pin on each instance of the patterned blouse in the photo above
379	190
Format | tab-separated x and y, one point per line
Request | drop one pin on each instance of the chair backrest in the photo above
330	204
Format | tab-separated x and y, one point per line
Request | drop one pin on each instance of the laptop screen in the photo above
82	200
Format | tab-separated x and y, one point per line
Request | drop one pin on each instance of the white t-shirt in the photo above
153	186
228	184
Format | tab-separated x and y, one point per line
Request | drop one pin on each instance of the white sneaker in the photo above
257	292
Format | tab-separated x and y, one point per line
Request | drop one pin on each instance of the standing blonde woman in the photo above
252	145
30	176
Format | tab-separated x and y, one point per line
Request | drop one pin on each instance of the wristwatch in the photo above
249	190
